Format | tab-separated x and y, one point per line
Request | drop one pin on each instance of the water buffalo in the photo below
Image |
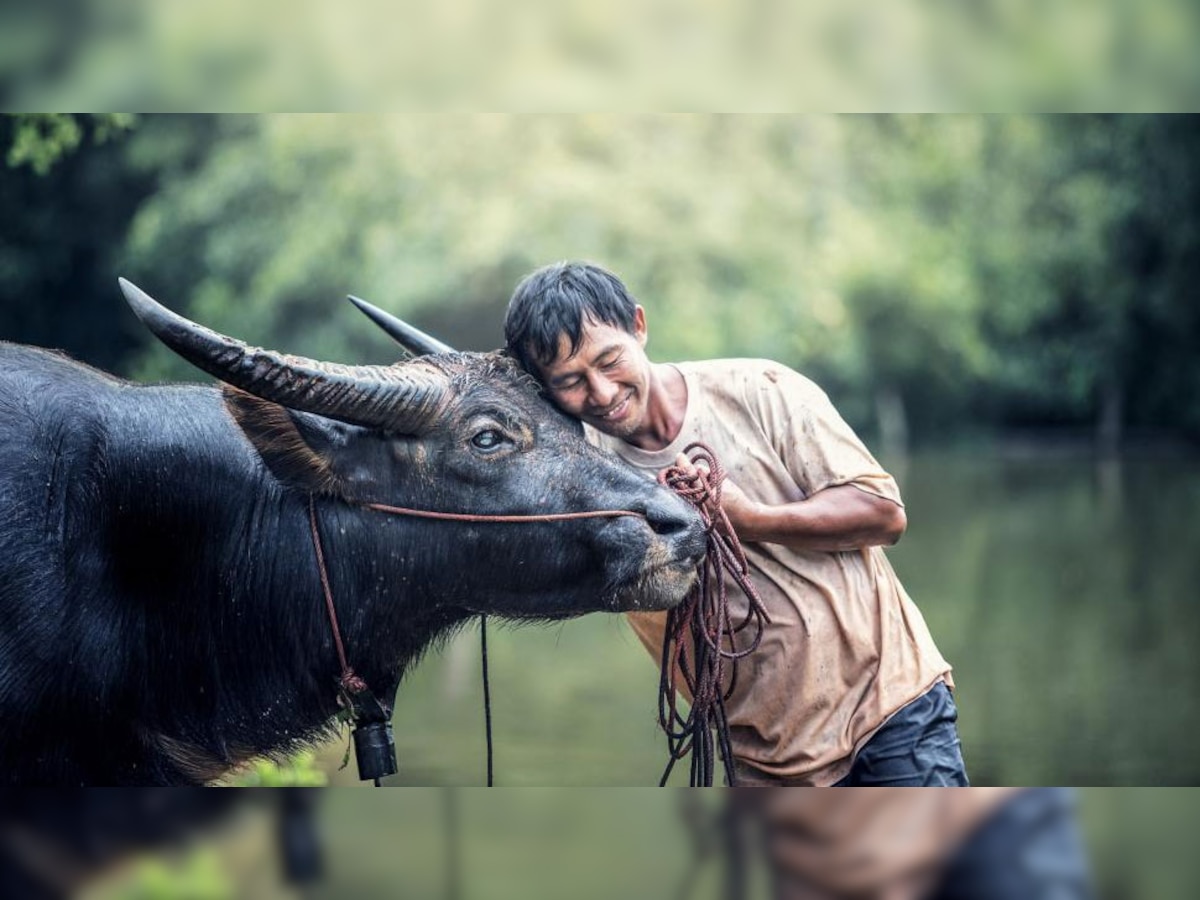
161	613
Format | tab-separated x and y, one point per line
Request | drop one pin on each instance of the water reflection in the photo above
1062	590
450	844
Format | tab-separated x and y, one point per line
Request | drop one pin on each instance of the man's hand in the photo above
738	508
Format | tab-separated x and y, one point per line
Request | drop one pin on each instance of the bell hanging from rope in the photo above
374	750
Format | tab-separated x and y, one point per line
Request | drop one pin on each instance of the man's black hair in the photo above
558	299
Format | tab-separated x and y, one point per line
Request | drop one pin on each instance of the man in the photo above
847	686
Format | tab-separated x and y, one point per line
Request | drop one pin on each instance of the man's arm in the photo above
838	518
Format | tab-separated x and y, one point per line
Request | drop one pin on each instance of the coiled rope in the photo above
703	622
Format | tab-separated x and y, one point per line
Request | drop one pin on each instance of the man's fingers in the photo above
692	468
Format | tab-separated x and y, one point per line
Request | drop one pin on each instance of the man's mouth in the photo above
615	413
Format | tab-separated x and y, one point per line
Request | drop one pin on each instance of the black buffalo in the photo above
161	614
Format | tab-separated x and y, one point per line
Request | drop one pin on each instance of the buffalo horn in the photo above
411	339
403	398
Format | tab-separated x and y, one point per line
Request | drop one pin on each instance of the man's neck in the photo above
665	409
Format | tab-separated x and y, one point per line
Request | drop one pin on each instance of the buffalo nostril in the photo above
672	521
668	525
668	519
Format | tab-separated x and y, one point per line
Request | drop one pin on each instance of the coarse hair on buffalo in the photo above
557	300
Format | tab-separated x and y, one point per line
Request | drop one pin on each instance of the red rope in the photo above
703	619
348	681
469	517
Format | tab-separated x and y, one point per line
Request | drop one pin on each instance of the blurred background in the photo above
1004	307
474	844
573	55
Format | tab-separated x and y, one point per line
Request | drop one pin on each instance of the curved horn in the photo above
404	397
411	339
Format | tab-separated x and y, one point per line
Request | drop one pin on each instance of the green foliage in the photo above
199	876
41	139
299	771
61	236
961	271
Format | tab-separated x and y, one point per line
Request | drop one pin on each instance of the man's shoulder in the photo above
748	377
748	366
729	364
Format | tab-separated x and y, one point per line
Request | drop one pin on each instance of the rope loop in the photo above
351	683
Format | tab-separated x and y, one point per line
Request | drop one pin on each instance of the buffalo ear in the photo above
297	447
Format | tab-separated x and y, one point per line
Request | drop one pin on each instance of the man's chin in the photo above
622	430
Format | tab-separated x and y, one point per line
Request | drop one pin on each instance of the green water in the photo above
1064	591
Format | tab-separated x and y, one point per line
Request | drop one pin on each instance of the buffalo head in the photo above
453	432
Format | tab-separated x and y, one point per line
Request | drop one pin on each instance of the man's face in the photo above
606	383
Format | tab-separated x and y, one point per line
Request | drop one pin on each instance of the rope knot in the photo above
700	484
351	683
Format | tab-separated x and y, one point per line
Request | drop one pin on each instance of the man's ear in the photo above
297	447
639	325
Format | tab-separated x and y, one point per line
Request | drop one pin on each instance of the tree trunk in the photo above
893	421
1109	424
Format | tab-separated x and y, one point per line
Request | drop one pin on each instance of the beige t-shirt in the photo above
846	646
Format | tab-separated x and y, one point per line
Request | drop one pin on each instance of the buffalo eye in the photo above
488	440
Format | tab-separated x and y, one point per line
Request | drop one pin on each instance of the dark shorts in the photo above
917	747
1030	848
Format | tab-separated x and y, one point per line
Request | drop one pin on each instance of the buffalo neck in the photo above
219	560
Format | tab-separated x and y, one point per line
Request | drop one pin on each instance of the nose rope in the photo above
472	517
351	685
703	620
350	681
347	681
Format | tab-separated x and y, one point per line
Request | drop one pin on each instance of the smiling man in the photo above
847	686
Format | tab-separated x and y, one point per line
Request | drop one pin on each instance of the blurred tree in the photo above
935	274
68	193
902	267
1087	268
1155	245
42	139
437	223
64	211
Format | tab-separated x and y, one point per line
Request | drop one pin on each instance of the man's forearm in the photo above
837	518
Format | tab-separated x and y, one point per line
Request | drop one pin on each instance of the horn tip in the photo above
411	339
139	300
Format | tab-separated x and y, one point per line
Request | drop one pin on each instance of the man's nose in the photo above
602	391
